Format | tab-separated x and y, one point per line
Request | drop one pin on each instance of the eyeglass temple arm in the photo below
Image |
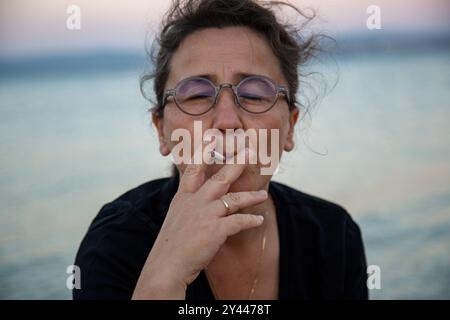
167	94
285	91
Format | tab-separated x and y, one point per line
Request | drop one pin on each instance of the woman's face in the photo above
225	55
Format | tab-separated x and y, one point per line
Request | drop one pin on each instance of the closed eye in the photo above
251	97
198	96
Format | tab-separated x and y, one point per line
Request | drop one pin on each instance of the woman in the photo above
223	231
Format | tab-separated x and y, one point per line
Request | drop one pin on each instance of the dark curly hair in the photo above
187	16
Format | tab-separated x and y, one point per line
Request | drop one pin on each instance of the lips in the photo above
230	141
229	155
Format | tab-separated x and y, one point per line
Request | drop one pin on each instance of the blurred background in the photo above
75	134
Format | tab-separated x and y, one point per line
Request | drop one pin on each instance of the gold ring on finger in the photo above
227	206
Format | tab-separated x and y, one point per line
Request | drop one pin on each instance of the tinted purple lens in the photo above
257	94
195	96
195	89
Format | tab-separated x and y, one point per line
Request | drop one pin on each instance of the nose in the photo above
227	114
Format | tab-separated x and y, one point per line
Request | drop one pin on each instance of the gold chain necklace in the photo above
255	281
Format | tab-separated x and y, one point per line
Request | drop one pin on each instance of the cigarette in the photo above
217	156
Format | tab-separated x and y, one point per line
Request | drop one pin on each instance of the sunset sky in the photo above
29	27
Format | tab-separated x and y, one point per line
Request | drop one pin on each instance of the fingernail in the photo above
260	193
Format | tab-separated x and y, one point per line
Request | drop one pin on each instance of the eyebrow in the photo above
213	78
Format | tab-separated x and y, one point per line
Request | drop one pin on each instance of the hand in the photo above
197	224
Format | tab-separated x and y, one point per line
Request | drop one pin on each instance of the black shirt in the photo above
321	249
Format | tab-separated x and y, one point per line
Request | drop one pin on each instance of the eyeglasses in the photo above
255	94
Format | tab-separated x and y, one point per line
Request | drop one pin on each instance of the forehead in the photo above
224	54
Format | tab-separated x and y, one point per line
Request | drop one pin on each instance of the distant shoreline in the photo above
112	60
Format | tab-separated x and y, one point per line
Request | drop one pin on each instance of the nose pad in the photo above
227	86
227	116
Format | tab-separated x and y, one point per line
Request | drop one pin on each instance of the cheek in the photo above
173	121
280	121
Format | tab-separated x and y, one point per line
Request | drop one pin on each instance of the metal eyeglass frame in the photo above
172	92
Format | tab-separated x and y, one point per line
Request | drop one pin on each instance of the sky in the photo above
36	27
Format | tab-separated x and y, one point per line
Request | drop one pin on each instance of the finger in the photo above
219	183
239	222
238	201
194	174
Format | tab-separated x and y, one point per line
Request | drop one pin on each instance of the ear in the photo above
158	122
293	117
